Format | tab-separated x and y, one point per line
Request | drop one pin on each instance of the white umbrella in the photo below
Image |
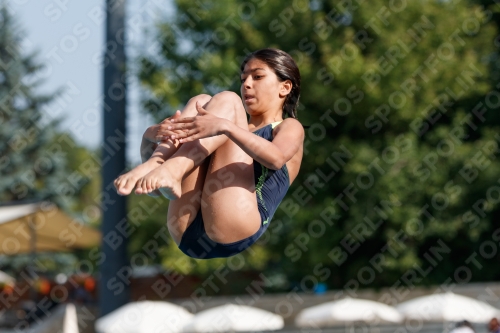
64	320
448	307
347	310
6	278
232	317
144	317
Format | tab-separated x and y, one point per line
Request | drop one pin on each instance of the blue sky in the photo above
69	35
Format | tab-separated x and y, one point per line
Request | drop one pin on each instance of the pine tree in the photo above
31	166
38	161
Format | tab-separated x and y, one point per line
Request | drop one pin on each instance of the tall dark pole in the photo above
113	290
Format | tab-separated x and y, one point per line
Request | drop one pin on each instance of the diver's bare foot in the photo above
160	179
155	194
126	182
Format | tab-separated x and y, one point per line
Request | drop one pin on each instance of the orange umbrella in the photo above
40	227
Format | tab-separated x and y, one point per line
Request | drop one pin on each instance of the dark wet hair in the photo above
285	68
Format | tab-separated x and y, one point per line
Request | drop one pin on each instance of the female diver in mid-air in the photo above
222	204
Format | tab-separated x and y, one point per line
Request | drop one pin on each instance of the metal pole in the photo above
113	290
32	264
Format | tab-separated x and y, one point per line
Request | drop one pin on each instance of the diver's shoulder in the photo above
290	124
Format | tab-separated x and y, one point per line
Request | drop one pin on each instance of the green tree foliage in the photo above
38	161
83	180
402	141
29	170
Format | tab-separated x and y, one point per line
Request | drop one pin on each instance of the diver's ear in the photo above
285	88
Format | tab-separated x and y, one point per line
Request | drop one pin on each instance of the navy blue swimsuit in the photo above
270	189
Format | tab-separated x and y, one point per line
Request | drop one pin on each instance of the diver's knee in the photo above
236	111
201	98
227	96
